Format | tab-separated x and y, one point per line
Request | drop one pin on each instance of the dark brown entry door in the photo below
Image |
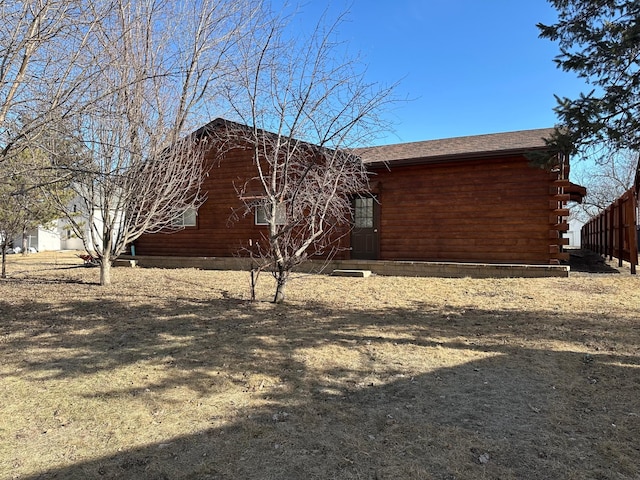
364	236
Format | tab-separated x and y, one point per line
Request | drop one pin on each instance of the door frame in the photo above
375	229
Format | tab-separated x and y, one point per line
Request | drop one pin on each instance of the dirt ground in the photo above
175	374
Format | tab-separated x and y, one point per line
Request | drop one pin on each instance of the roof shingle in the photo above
451	148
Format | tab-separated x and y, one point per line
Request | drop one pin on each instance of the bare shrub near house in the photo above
306	102
159	63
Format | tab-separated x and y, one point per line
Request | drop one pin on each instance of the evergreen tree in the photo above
599	40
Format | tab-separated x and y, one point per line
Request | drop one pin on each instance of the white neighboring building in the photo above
69	241
57	236
573	234
41	239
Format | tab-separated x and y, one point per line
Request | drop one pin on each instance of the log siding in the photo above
489	210
487	207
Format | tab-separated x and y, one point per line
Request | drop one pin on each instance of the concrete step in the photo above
351	273
121	262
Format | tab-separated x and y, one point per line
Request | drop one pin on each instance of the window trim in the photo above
281	214
180	221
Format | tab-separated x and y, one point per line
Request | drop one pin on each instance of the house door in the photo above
364	236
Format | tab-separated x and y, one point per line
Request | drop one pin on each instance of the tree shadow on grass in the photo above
586	261
469	399
29	288
18	272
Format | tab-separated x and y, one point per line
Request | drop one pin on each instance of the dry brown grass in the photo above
173	374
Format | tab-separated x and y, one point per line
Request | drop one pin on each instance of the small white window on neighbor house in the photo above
261	214
187	219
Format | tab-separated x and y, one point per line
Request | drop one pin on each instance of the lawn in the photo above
175	374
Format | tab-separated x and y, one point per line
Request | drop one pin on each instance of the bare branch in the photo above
605	182
159	63
305	102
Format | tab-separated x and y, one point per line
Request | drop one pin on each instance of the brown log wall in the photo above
490	210
498	210
222	228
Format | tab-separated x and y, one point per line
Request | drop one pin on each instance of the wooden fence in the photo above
614	232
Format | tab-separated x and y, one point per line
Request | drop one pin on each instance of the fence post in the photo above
602	241
632	202
610	226
633	235
620	236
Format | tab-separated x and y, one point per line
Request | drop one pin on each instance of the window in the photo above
262	212
363	213
187	219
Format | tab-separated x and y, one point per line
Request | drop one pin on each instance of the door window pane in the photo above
363	214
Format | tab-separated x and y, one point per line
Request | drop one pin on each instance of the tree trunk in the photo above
281	283
4	261
105	270
25	242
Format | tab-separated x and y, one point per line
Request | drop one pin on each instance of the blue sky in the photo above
470	66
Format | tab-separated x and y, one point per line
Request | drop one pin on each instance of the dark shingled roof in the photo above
456	148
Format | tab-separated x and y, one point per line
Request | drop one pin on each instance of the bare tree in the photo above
306	102
159	62
606	180
42	79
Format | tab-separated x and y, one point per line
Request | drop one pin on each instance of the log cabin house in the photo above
475	199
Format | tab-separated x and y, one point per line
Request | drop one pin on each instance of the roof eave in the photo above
458	157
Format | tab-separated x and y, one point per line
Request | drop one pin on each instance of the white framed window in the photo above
262	211
187	219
